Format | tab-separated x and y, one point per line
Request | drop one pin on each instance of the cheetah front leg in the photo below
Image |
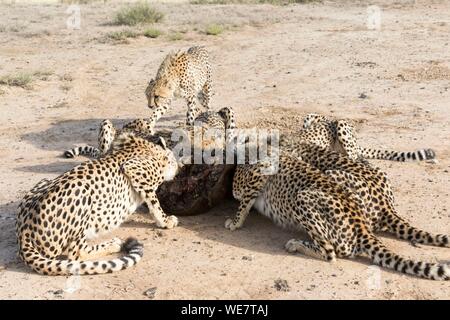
248	181
192	112
162	219
238	220
136	169
158	113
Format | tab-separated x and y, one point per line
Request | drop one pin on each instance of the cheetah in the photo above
338	201
57	217
339	135
222	120
186	74
107	134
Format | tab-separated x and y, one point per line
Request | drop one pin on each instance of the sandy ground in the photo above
273	64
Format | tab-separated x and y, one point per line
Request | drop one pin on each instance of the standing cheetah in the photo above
186	74
339	135
58	216
331	205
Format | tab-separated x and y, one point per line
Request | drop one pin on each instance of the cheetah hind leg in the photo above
106	136
347	138
348	180
319	247
309	248
102	249
192	111
206	93
133	169
81	250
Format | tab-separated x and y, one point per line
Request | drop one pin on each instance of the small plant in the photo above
273	2
17	28
79	1
176	36
214	29
42	75
139	13
22	80
152	33
66	87
66	77
122	35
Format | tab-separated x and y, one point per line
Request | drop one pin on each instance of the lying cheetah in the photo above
107	134
186	74
339	135
222	120
372	186
340	204
58	216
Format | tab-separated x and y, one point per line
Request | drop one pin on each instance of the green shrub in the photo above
152	33
176	36
214	29
22	79
121	35
274	2
138	13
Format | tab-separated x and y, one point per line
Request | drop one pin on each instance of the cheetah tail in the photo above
382	256
42	265
85	150
403	230
418	155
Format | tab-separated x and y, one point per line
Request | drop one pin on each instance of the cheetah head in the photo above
159	93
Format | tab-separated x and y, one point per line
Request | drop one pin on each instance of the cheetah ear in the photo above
162	143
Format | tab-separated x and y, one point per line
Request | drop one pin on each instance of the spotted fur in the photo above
340	135
107	134
186	74
339	202
57	217
222	120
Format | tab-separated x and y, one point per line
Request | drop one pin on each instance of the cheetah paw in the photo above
291	246
172	222
229	224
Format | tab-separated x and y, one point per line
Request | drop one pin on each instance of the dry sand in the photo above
274	64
